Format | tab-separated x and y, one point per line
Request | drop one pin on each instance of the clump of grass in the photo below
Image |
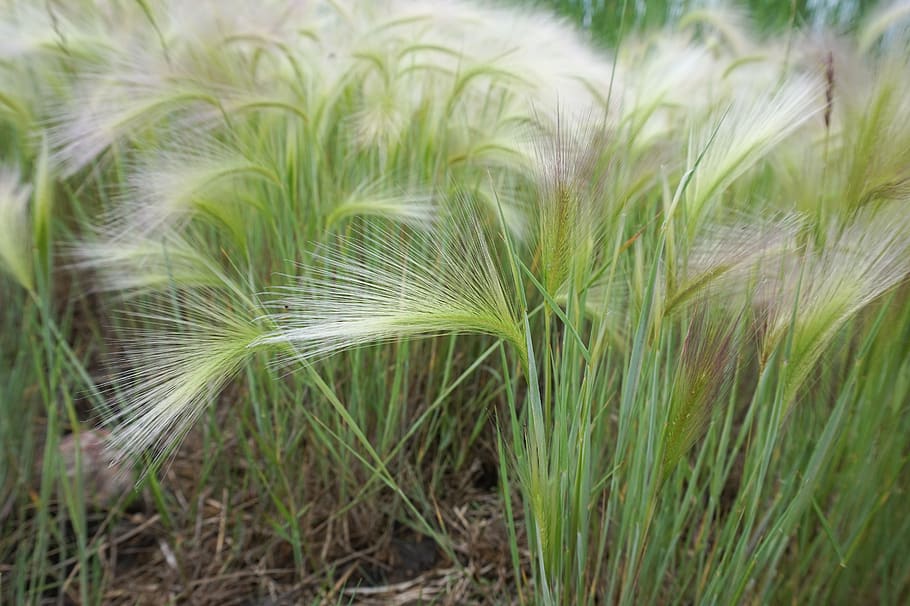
474	241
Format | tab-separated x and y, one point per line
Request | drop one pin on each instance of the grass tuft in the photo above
446	301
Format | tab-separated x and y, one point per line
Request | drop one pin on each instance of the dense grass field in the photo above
437	302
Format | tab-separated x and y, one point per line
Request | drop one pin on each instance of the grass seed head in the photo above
176	365
571	172
138	265
744	133
190	177
703	378
858	262
393	285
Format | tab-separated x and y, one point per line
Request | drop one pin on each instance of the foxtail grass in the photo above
357	251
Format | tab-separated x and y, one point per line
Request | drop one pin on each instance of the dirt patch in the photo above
226	548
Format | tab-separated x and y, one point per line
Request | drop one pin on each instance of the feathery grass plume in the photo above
258	52
742	135
136	89
859	152
726	258
542	59
38	45
175	365
15	243
571	172
384	286
383	70
703	378
876	137
217	21
859	262
884	17
189	176
376	200
467	70
745	66
138	265
37	31
809	169
388	101
675	81
107	106
727	27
